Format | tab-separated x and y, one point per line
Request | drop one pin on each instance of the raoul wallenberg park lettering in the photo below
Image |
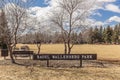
65	57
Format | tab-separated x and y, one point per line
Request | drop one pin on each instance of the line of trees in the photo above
108	35
97	35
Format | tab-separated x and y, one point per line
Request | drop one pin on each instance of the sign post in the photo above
81	63
47	63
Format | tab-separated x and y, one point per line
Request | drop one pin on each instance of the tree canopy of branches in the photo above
14	19
70	18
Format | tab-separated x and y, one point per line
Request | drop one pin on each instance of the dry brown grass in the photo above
94	72
111	52
14	72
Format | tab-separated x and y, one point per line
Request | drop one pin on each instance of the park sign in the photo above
64	56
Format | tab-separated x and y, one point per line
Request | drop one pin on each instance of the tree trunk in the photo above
68	45
69	34
69	49
39	50
39	47
65	48
11	54
65	43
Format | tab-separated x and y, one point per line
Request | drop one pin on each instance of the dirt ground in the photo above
26	69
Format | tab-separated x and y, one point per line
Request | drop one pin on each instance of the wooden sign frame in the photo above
65	57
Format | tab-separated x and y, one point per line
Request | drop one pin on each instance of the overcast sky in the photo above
107	14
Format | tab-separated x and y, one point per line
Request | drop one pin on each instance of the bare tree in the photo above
69	17
15	17
38	41
38	32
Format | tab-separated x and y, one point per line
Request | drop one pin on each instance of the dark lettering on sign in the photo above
65	56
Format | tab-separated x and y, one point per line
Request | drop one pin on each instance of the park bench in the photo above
23	54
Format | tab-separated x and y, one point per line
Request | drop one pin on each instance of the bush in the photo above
25	48
4	46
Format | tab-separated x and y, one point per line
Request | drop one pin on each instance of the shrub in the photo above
25	48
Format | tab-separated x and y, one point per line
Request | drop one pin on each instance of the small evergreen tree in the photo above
101	34
115	36
90	36
97	35
108	34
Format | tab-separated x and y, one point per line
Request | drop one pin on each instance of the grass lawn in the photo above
90	71
38	73
111	52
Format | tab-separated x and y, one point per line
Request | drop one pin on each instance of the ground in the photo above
32	70
107	67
